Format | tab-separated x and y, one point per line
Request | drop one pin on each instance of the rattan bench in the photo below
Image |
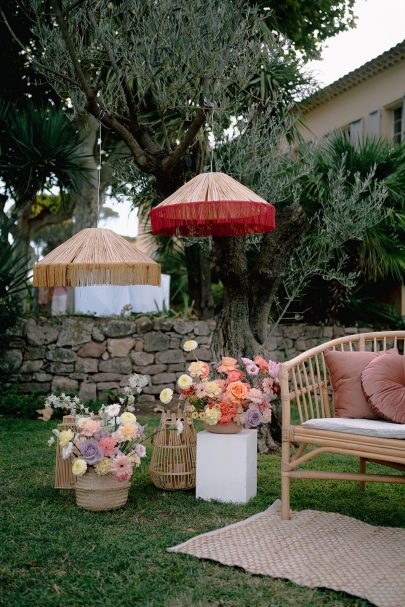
305	384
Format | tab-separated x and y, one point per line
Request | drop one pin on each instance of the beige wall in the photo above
380	92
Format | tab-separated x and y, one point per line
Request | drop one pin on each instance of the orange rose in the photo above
236	391
227	364
261	363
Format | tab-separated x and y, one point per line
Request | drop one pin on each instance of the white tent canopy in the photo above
107	300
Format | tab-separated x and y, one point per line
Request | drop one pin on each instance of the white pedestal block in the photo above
227	466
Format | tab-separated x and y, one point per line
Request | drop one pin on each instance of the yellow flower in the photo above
184	382
64	438
127	418
212	389
201	415
129	431
103	467
190	345
196	368
211	416
195	415
79	467
166	396
134	459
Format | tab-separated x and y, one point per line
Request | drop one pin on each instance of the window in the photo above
397	124
374	124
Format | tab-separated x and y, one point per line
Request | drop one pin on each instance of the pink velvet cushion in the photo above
384	384
345	370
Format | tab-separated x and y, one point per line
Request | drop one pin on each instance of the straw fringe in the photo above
96	256
212	204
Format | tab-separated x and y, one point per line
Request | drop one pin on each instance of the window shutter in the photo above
356	131
374	119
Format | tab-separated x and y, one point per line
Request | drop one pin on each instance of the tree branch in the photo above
93	106
174	158
126	89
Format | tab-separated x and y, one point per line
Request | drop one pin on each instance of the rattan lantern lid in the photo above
213	204
96	256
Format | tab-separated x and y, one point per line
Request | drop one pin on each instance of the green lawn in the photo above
54	554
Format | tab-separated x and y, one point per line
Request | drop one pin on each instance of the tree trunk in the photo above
242	326
86	201
198	263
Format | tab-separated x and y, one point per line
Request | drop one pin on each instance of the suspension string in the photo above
98	174
213	138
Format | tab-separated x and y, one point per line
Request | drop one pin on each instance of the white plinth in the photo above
227	466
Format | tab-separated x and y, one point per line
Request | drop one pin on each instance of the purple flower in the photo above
91	452
274	369
247	361
252	369
253	417
140	450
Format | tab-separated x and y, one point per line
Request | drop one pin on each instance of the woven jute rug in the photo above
315	549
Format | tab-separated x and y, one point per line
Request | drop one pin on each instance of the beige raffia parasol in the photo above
96	256
213	204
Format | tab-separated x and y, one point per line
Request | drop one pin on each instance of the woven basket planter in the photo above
64	479
172	464
100	493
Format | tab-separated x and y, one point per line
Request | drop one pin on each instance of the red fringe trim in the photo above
213	218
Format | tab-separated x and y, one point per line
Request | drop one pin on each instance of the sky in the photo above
380	26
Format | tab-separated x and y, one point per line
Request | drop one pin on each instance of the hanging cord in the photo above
213	138
98	174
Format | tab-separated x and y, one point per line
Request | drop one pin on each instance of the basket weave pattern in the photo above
173	459
100	493
64	479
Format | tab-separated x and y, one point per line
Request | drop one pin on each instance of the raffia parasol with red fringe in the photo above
213	204
96	256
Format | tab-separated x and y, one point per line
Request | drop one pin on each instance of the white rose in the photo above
166	396
184	382
113	410
190	345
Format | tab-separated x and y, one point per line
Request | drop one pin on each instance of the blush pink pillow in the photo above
384	384
345	370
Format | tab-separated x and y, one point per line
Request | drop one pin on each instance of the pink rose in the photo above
235	376
88	426
108	445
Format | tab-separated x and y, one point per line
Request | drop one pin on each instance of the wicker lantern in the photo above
172	464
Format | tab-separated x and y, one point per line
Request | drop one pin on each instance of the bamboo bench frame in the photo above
305	383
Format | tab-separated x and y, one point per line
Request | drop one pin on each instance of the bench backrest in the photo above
309	382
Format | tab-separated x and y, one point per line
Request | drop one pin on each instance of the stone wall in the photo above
87	356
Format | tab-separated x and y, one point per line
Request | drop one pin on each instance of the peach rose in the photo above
227	364
261	363
236	391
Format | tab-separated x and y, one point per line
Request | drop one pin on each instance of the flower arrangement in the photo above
225	393
109	441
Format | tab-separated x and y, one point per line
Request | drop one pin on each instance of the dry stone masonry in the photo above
89	356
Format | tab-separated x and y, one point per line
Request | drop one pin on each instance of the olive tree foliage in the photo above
151	71
268	272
